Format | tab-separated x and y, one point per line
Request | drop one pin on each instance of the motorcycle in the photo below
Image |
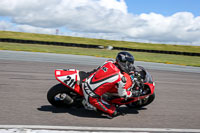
69	92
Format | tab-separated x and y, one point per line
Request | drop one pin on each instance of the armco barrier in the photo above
158	51
94	46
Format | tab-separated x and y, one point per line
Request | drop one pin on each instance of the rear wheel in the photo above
59	96
143	102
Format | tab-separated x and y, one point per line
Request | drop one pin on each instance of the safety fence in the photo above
95	46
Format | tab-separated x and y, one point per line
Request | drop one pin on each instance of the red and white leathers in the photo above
107	78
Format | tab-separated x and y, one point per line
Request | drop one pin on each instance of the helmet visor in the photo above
127	59
127	66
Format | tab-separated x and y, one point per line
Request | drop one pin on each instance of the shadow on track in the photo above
81	112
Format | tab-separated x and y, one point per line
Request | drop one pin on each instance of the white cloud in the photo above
28	28
8	26
100	18
5	25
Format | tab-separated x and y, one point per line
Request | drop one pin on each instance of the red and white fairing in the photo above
69	78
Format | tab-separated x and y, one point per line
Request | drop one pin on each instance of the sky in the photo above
164	7
149	21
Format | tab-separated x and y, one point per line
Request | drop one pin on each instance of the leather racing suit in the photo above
106	78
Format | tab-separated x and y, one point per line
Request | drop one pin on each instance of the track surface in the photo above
24	84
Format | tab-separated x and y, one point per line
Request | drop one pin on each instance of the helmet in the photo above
125	61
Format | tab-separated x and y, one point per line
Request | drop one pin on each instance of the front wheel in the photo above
143	102
59	96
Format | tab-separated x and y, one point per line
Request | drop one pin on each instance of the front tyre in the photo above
143	102
58	96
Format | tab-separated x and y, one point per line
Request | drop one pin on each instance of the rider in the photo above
112	77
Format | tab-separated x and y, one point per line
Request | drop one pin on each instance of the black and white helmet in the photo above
125	61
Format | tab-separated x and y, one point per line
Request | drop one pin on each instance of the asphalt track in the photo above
26	77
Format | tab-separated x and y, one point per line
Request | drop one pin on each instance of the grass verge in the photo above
81	40
139	56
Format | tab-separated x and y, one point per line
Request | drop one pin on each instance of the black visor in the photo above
129	59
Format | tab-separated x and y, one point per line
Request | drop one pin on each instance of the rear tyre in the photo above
58	96
142	103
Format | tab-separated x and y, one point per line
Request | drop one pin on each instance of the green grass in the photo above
139	56
68	39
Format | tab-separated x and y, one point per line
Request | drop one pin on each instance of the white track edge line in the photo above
82	128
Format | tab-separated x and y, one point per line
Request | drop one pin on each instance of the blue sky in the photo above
164	7
152	21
